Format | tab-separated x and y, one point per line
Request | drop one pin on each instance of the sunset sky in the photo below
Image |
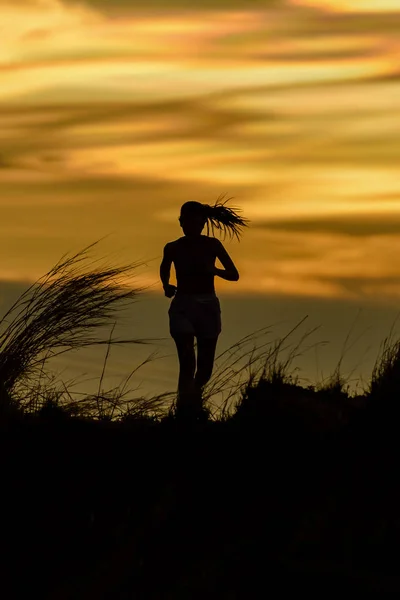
113	113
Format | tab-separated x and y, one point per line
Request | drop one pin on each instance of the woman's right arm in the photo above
165	271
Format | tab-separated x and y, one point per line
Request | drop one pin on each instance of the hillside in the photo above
297	490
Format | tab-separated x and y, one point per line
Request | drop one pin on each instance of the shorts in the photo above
196	314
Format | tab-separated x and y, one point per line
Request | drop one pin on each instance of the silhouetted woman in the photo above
195	310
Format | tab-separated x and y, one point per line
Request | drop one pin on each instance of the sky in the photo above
114	113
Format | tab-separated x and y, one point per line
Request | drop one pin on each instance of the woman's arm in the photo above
165	271
229	272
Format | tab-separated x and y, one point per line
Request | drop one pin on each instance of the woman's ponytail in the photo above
224	218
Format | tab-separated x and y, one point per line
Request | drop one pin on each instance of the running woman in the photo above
195	310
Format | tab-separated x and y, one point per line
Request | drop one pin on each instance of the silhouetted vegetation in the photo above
277	486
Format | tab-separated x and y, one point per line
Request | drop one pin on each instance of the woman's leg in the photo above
205	360
187	362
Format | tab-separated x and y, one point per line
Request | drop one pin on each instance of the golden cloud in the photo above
108	124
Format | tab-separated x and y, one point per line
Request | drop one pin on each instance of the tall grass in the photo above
118	403
385	380
66	309
61	312
338	383
251	359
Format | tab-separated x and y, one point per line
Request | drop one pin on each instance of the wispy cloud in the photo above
114	113
352	6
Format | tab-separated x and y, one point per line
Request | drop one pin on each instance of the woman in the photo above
195	310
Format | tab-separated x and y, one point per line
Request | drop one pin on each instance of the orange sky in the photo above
115	113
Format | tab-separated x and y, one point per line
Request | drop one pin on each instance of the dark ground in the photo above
272	500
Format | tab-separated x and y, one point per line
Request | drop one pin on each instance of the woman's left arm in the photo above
229	272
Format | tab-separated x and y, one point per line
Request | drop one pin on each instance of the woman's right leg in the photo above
205	360
187	362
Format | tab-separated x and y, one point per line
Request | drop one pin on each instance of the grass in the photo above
61	312
64	312
110	495
385	380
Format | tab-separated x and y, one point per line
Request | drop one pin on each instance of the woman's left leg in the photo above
187	362
206	347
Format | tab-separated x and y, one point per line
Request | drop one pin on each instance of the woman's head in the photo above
194	216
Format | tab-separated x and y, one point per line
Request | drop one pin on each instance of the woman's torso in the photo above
194	260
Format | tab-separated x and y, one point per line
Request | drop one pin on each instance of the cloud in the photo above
352	6
110	121
355	225
128	6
